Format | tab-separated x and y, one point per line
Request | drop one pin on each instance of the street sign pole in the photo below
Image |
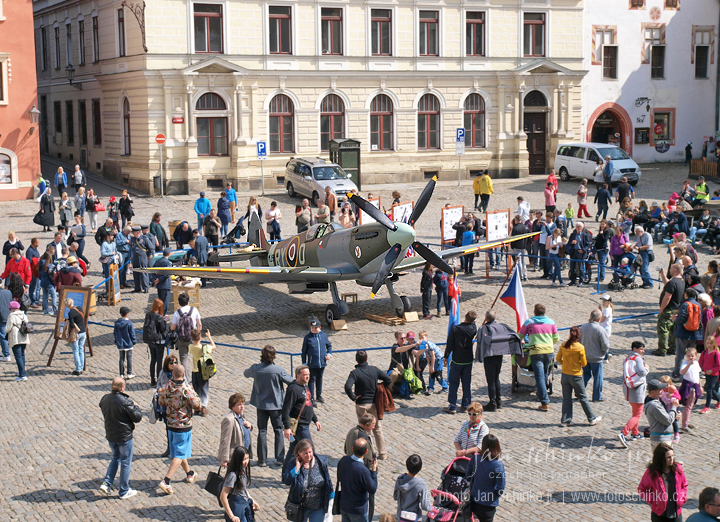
262	154
262	175
459	160
162	191
459	149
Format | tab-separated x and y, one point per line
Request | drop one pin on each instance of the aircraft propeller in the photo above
422	201
372	211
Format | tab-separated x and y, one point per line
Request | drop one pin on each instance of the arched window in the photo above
209	102
429	122
212	135
535	99
381	123
474	121
126	128
332	120
282	124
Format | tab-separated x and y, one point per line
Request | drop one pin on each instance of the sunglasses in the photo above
473	414
171	363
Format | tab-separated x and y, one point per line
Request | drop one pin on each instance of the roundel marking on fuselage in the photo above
291	252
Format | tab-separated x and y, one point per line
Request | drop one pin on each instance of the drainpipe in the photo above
717	89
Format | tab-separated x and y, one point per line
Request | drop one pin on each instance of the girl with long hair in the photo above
571	356
663	485
154	331
487	473
234	497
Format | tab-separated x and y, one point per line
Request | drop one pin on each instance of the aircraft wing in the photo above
450	253
259	274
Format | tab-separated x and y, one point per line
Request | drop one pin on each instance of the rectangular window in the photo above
332	30
672	4
637	4
381	32
703	41
81	41
68	44
280	32
212	136
534	34
662	121
70	122
429	41
58	117
121	31
43	48
96	39
208	28
657	62
82	120
475	34
3	96
609	58
97	123
57	47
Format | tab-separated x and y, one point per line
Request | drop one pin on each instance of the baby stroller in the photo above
452	494
523	375
624	275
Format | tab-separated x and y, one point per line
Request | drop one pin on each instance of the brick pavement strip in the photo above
52	444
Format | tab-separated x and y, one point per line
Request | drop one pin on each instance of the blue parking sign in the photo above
261	149
460	135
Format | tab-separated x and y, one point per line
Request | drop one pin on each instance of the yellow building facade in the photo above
217	77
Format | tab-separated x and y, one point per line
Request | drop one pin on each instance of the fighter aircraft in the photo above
313	261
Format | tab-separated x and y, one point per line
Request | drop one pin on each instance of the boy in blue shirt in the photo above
125	340
435	357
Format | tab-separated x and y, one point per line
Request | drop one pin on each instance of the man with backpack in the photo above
163	281
203	368
184	321
688	328
670	301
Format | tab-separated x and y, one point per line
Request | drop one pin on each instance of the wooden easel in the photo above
71	291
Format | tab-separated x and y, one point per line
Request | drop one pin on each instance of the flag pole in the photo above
503	283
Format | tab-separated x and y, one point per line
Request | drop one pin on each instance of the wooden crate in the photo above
391	320
172	225
700	167
193	293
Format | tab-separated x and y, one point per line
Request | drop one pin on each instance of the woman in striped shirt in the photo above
469	438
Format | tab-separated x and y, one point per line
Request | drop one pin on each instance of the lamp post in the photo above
70	72
34	117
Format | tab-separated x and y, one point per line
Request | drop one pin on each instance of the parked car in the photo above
578	160
309	177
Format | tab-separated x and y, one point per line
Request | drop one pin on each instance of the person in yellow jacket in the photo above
571	356
483	187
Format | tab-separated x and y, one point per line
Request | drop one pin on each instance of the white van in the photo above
578	160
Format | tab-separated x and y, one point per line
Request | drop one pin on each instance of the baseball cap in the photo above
410	335
202	194
606	297
654	384
112	198
314	322
124	310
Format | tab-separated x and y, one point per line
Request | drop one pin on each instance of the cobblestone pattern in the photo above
52	445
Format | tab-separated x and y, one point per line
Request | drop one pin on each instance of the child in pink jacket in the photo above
667	396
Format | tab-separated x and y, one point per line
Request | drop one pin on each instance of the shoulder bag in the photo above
336	500
294	422
214	484
70	332
295	512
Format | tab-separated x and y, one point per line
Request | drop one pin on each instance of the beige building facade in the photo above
217	77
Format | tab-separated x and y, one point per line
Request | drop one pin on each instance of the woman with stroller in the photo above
472	432
487	474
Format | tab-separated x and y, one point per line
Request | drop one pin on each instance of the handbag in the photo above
69	333
25	302
336	500
294	512
294	422
38	218
99	207
651	256
26	328
214	484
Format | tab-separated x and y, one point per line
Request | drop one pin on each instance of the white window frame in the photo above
96	41
2	18
441	32
82	55
393	31
293	30
318	31
521	32
68	43
703	35
4	57
116	20
599	51
486	43
14	171
225	27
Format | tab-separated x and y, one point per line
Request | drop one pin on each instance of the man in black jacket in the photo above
518	247
120	413
364	378
460	345
579	244
297	406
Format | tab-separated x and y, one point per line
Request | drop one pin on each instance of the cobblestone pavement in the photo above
54	455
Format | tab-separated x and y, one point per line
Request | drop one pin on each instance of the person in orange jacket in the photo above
19	264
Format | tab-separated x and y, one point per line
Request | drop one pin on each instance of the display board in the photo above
114	294
364	218
81	300
402	211
448	217
497	224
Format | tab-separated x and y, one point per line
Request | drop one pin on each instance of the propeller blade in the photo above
385	268
372	211
431	256
422	201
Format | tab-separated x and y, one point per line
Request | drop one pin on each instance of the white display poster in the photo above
450	216
498	223
366	218
402	211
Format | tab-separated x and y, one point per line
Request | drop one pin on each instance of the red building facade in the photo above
19	143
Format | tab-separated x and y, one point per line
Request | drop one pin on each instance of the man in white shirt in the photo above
644	246
523	209
58	244
182	343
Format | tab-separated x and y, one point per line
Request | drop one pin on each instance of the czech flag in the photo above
514	298
454	294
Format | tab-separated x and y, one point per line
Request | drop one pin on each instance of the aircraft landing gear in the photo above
337	309
400	303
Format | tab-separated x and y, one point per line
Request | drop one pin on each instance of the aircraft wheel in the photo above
332	312
407	306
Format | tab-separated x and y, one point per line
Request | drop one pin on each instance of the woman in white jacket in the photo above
16	339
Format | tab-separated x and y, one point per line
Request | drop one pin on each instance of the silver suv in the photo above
309	177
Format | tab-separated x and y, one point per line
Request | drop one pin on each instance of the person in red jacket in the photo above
19	264
663	485
69	275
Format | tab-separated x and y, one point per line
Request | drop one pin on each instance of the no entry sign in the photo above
160	139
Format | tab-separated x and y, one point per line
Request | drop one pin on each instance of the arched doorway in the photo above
535	126
608	120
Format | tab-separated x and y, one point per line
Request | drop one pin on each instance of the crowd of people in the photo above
181	364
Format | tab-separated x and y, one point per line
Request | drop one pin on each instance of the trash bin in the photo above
156	182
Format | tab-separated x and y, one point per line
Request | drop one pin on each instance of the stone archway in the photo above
608	119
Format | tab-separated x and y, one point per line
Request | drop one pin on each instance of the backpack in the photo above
150	333
692	324
630	377
185	325
206	365
413	382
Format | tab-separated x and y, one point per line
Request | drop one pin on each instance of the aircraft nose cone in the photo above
404	234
